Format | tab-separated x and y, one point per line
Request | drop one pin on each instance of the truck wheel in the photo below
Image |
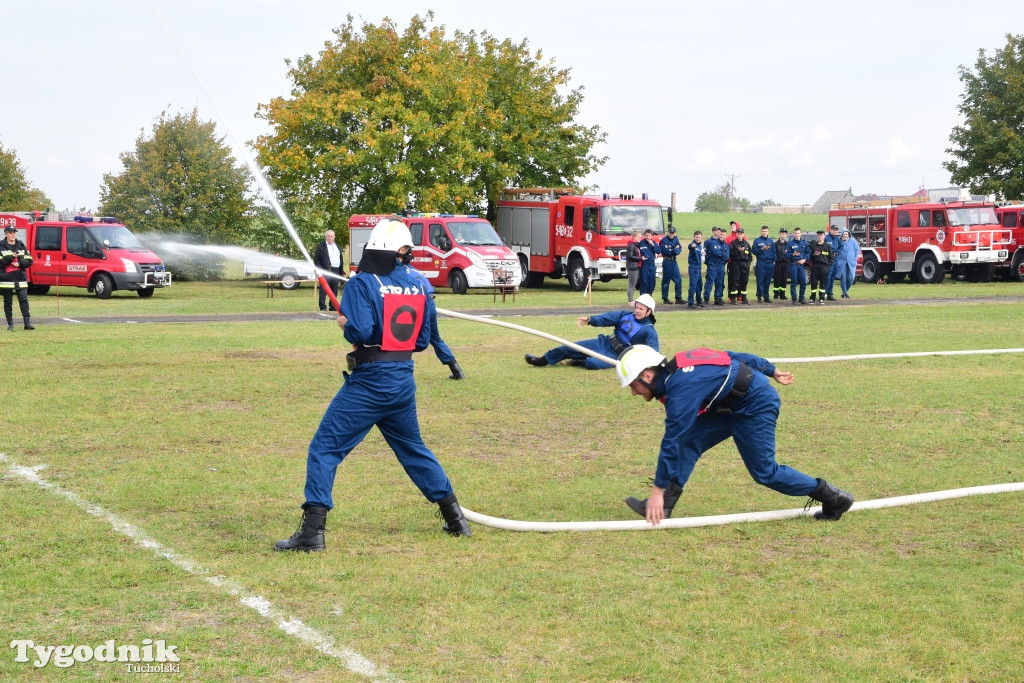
38	289
289	280
457	281
1017	267
103	286
145	292
927	270
869	270
577	275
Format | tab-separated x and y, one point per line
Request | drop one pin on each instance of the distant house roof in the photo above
831	197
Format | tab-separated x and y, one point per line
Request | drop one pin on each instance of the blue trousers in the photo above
696	284
441	350
765	271
830	279
716	279
845	280
752	427
601	345
646	282
670	273
797	275
381	394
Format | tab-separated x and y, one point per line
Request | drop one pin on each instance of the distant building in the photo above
831	197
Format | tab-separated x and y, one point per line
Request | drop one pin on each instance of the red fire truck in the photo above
451	250
558	233
925	240
1012	219
97	253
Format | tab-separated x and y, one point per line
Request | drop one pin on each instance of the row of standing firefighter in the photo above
386	313
779	264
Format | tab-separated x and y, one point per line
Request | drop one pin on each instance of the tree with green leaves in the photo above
16	193
988	149
384	120
720	200
181	180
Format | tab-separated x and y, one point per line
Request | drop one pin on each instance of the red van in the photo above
99	254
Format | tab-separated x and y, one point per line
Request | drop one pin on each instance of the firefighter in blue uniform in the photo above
649	265
764	249
385	316
631	327
833	240
797	252
709	396
671	248
15	259
716	255
695	263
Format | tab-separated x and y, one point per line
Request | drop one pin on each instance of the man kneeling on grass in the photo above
709	396
631	327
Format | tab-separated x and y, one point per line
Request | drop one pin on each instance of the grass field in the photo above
196	435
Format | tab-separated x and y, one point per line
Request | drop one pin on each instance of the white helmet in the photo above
389	235
647	300
635	360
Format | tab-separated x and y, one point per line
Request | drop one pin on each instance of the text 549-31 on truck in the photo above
97	253
926	240
556	232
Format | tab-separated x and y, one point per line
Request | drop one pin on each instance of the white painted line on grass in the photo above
71	320
909	354
296	628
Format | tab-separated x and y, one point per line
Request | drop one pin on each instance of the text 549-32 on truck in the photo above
556	232
97	253
926	240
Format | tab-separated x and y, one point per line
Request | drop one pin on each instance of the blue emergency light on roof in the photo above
604	196
83	219
643	196
108	219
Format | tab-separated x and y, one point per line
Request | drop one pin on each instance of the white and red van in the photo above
97	253
457	251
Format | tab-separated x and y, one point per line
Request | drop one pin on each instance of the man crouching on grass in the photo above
709	396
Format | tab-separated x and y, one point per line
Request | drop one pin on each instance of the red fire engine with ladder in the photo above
925	240
556	232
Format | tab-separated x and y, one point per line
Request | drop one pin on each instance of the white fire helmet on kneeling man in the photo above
635	360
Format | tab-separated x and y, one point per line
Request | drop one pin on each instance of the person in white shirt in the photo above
328	257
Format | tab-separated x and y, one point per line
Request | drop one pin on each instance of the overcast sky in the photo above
790	98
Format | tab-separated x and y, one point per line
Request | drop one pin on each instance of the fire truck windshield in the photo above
476	233
973	215
118	236
623	220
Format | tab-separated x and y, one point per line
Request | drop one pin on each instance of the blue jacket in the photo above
650	252
362	302
686	392
716	252
628	330
797	249
696	257
670	246
764	249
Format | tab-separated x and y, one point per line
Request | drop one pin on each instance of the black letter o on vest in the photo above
402	330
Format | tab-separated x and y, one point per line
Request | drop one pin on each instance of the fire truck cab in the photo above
97	253
556	232
925	240
1012	219
451	250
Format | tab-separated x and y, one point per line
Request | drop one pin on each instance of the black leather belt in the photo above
668	258
617	346
374	354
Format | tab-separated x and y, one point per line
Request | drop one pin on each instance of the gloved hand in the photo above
457	372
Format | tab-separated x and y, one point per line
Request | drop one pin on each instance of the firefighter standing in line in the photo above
764	249
384	315
631	327
739	268
709	396
649	266
822	256
14	261
695	263
670	248
716	255
781	265
797	252
833	270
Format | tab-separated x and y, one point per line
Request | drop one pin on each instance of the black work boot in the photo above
455	522
671	495
28	324
457	372
578	363
834	502
310	535
10	324
536	361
